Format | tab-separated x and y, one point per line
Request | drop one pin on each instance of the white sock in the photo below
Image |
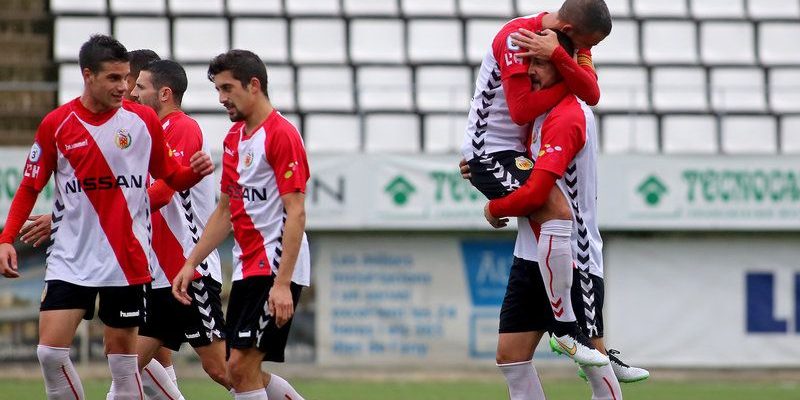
259	394
171	372
278	388
603	382
555	263
157	383
126	381
61	381
522	380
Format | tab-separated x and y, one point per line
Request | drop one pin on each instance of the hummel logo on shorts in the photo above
193	335
244	334
131	314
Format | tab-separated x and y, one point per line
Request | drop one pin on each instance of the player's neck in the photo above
167	109
551	21
261	111
89	103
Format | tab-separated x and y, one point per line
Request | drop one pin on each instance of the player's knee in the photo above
217	372
504	356
51	355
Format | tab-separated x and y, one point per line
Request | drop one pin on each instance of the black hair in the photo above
566	43
99	49
243	65
168	73
140	58
587	16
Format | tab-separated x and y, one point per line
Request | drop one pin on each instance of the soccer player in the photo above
263	184
101	150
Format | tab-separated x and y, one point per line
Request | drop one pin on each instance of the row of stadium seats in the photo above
456	41
619	133
700	9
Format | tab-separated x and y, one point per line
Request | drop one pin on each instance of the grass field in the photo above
370	390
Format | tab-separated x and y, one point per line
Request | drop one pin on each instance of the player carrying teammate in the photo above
263	184
101	150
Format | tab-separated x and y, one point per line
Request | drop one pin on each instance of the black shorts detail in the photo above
498	174
248	323
120	306
525	307
174	323
588	292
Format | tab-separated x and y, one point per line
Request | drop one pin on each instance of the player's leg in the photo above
515	359
164	357
212	357
279	388
156	382
245	372
63	306
122	310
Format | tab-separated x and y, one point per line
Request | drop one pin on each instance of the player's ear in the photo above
86	72
255	85
568	29
164	93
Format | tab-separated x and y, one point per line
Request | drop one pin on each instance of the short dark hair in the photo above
587	16
566	43
140	58
244	65
168	73
99	49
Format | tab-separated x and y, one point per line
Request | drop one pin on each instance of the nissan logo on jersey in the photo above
247	193
104	183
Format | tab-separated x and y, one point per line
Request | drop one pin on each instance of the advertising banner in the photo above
12	163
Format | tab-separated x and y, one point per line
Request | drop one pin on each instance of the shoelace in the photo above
612	356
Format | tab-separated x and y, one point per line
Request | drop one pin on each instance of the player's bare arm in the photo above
217	229
280	297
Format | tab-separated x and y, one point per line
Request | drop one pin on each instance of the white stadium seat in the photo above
727	43
199	39
144	33
371	7
295	120
738	89
623	89
709	9
619	8
529	7
214	127
441	88
660	8
384	88
766	9
483	8
377	41
629	133
312	7
620	47
669	42
78	6
749	135
200	94
435	40
690	134
679	89
325	89
445	8
392	133
480	33
71	32
70	82
121	7
317	40
778	43
204	7
280	84
332	133
255	7
784	90
790	134
249	33
443	133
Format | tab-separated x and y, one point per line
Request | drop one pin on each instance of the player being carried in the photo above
102	150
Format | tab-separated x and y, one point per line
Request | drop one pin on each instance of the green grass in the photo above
194	389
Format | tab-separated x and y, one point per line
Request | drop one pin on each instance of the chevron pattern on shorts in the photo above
263	321
504	177
200	297
486	98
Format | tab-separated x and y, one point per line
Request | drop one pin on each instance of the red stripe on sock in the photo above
287	397
613	396
158	384
71	386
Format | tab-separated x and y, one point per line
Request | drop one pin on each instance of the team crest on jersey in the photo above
36	153
123	139
511	46
248	159
523	163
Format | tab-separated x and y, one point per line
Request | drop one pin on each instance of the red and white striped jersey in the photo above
256	171
178	225
565	142
101	228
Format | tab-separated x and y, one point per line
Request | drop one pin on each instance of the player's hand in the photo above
180	285
495	222
8	261
465	173
280	303
201	163
539	46
38	231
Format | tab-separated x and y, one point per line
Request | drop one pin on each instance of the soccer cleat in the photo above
624	372
578	348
